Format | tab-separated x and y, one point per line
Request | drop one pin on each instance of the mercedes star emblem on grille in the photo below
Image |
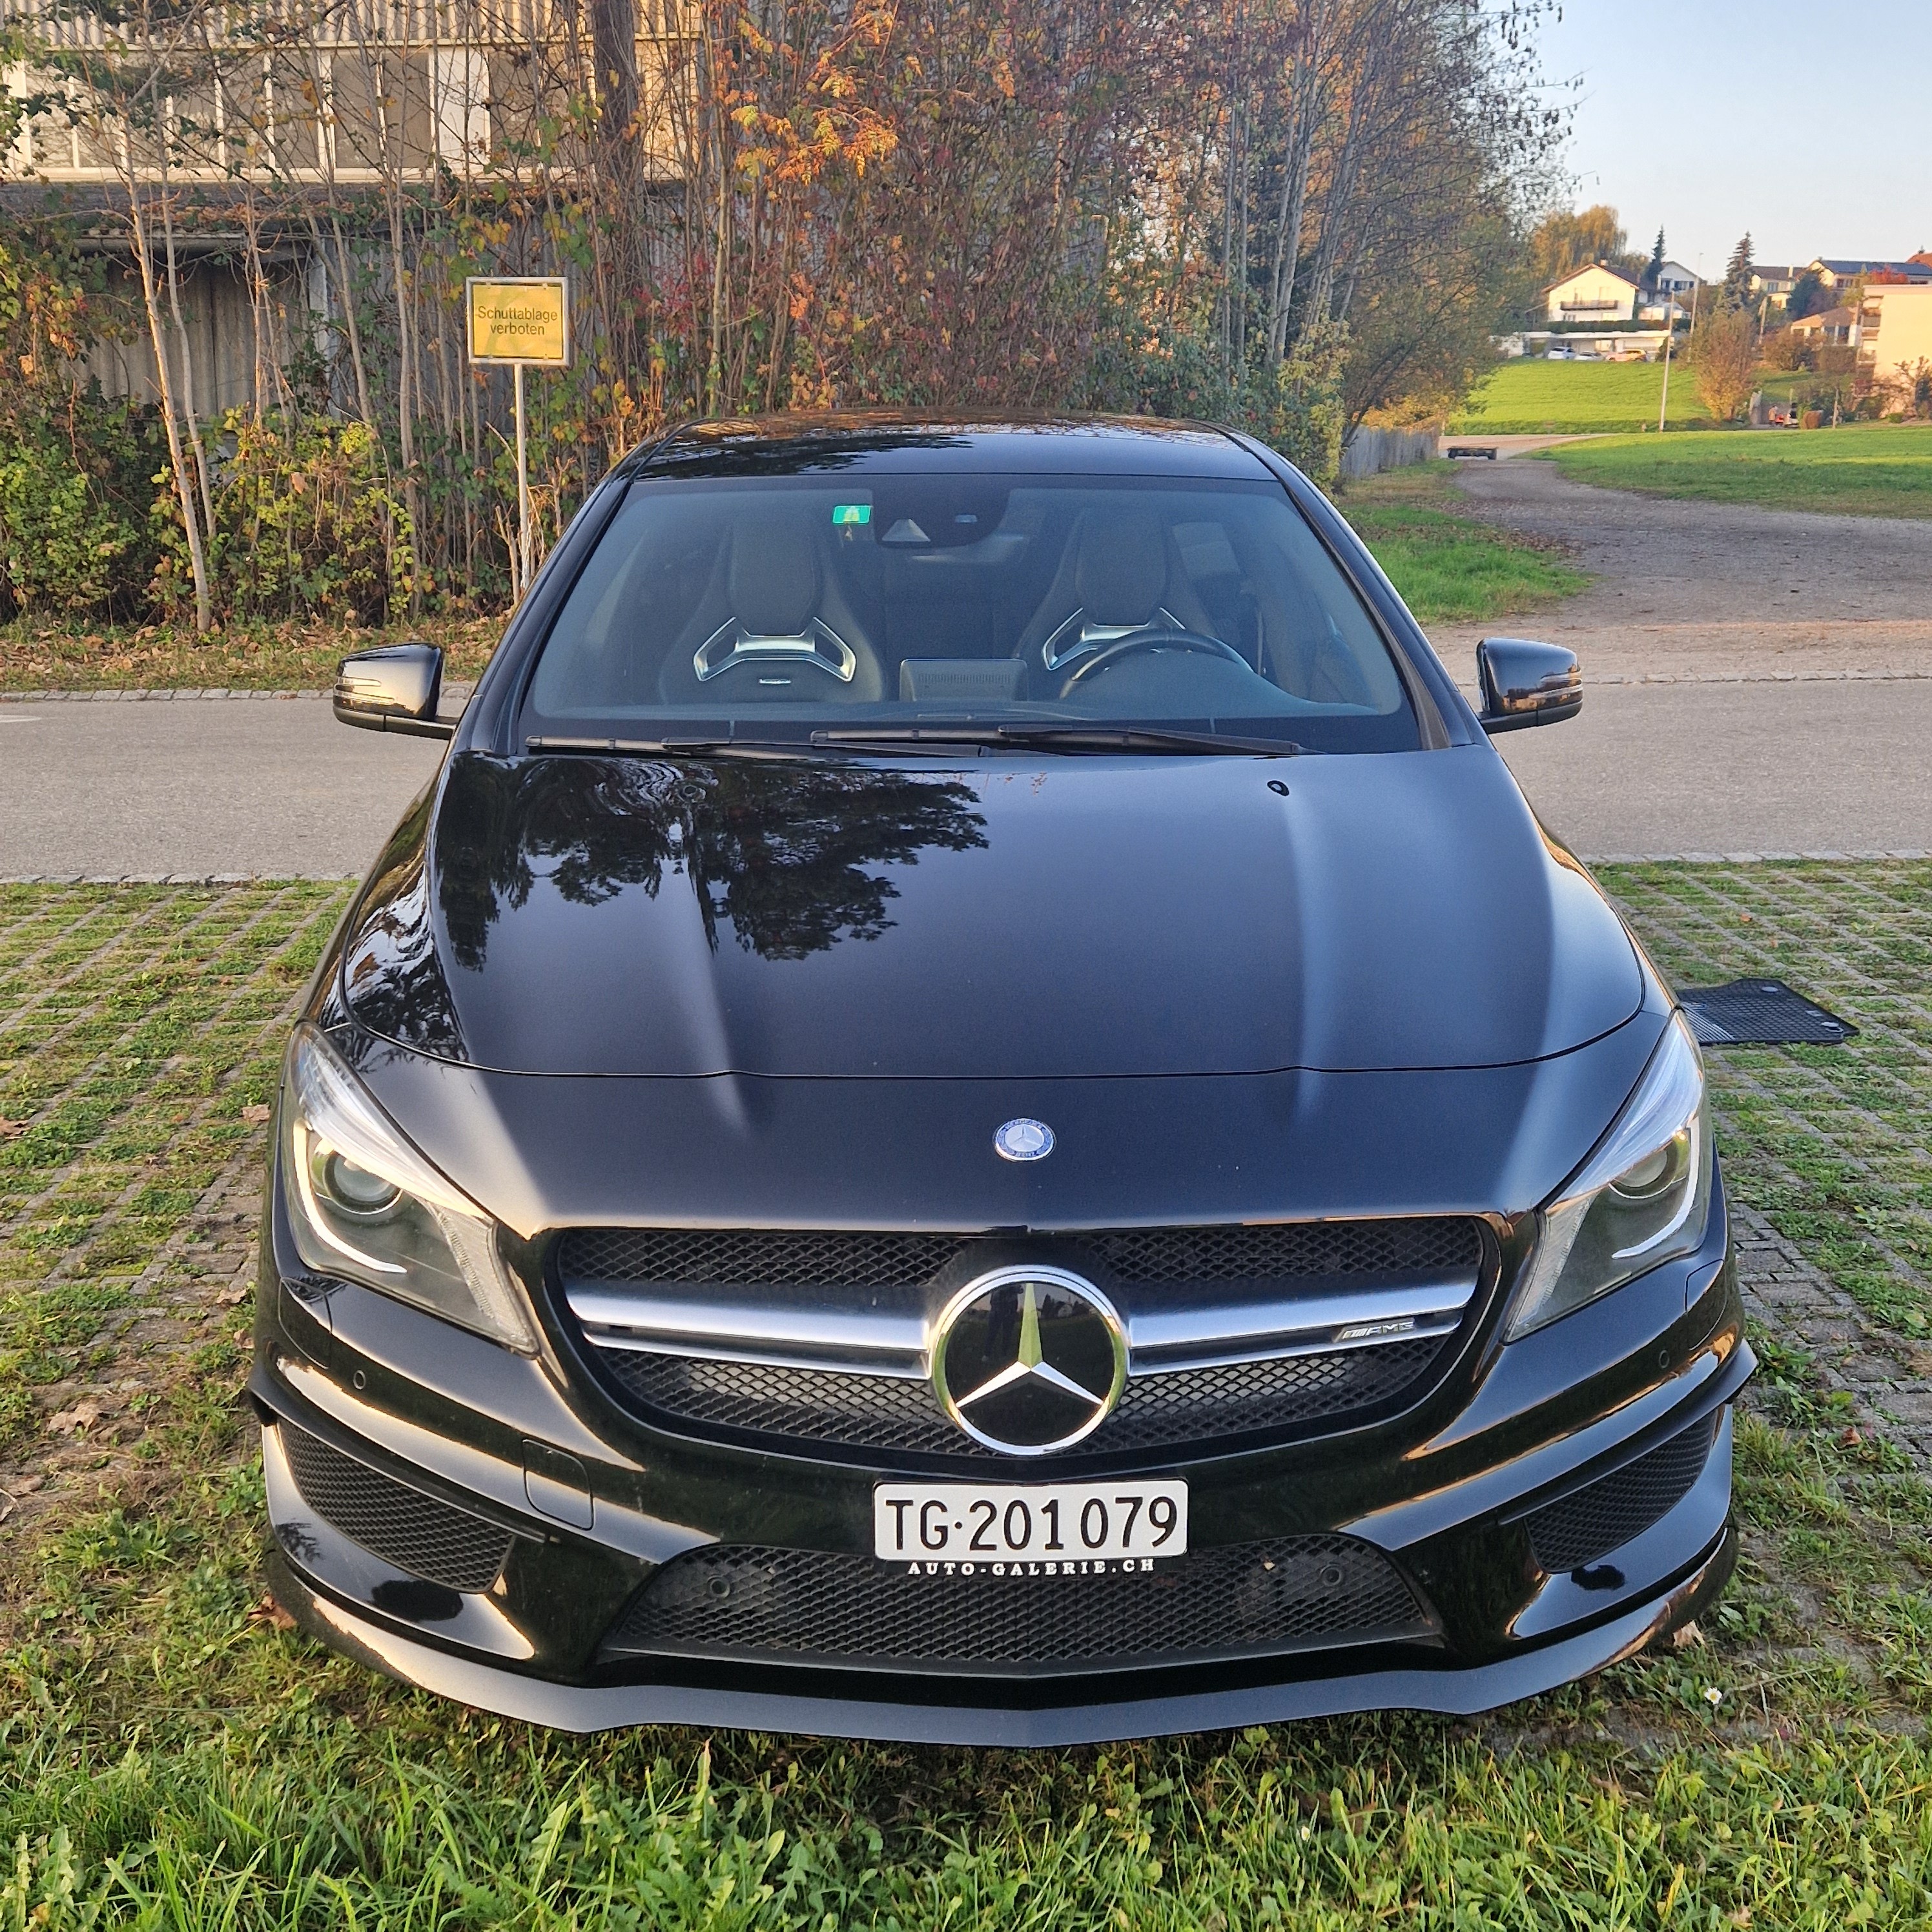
1029	1360
1023	1140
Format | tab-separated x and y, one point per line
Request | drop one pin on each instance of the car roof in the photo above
869	443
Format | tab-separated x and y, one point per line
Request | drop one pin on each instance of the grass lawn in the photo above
170	1757
255	657
1532	396
1451	568
1866	469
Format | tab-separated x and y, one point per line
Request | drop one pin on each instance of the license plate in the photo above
1047	1529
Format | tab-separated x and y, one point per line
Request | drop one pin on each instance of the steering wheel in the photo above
1135	641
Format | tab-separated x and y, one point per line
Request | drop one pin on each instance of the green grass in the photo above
1532	396
169	1758
44	656
1450	567
1867	469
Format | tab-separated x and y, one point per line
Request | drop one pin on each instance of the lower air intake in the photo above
1585	1526
429	1539
747	1603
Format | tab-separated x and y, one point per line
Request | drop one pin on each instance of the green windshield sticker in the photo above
851	513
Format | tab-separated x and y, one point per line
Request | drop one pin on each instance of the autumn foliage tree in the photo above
1722	353
1284	214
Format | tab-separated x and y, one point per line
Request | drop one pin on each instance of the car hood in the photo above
1059	918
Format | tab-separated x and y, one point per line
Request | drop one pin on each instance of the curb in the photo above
1745	858
352	878
455	688
1756	677
179	878
142	695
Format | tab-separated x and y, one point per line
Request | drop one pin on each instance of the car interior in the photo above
906	597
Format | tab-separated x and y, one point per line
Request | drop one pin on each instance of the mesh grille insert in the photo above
655	1257
811	1606
751	1258
883	1412
1582	1527
429	1539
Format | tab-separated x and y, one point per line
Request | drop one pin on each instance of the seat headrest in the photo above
774	580
1122	567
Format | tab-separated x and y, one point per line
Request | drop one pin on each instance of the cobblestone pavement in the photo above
1886	1378
140	1030
1828	1151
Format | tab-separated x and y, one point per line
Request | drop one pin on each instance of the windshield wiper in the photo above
679	748
1065	738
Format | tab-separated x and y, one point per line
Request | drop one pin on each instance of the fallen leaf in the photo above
268	1612
256	1112
71	1421
12	1129
228	1297
1850	1439
1687	1636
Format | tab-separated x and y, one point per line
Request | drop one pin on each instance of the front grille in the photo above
1582	1527
665	1258
1187	1406
835	1408
746	1603
431	1540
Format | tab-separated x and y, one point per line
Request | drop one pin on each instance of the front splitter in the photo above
565	1707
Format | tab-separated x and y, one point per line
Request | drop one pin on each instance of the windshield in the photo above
772	608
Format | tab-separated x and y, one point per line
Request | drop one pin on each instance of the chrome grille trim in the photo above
774	1335
872	1342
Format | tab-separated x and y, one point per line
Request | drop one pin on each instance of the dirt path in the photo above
1694	591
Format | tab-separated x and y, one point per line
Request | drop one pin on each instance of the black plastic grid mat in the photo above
1759	1013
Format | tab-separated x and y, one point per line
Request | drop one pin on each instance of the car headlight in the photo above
1640	1199
365	1206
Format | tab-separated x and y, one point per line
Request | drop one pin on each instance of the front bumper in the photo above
588	1515
569	1707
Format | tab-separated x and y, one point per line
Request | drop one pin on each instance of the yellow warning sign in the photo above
519	318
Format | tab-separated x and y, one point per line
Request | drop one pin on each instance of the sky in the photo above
1810	127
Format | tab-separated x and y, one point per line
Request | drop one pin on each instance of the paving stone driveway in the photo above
1883	1376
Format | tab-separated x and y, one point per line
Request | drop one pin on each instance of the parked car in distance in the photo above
973	1109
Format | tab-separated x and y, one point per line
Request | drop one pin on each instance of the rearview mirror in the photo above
394	688
1525	683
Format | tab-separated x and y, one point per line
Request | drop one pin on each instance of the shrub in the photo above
1724	357
77	538
305	521
77	470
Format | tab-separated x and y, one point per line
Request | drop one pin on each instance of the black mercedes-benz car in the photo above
973	1108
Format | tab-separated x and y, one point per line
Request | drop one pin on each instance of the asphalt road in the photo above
1815	765
191	787
197	786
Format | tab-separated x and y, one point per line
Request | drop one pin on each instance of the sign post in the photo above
523	321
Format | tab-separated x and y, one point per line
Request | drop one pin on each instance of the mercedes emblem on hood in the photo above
1023	1140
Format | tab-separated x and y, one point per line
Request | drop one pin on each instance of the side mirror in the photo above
1525	683
395	688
